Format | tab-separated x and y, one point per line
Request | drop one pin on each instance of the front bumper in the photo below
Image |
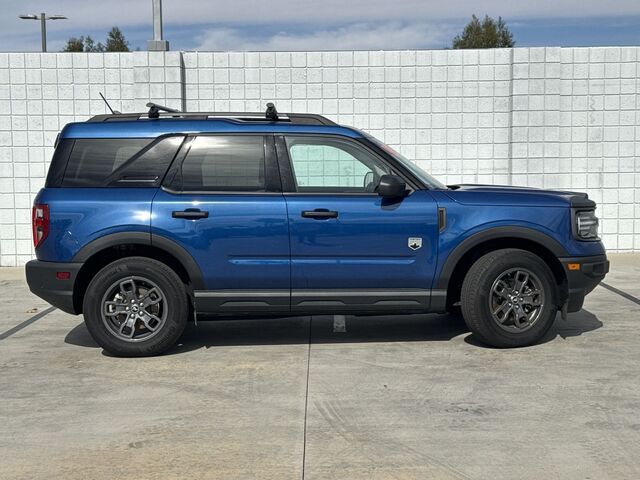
581	280
44	282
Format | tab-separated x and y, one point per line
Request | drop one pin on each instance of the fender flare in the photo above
141	238
495	233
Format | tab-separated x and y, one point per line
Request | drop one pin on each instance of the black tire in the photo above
477	295
174	305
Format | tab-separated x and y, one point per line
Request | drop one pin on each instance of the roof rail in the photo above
271	115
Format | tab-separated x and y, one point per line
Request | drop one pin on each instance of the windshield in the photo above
428	180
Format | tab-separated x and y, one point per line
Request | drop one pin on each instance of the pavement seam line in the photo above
26	323
306	401
622	293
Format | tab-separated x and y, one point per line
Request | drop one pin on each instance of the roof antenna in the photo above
271	113
113	112
154	110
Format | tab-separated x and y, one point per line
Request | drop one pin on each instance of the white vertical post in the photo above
157	20
157	44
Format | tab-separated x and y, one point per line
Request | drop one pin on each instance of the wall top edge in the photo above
448	50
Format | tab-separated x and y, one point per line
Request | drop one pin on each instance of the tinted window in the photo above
147	167
224	163
93	160
119	162
59	163
333	166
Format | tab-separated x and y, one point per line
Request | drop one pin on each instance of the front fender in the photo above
490	233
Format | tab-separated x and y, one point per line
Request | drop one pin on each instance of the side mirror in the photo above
368	180
391	186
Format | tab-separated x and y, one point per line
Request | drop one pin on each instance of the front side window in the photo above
224	163
329	165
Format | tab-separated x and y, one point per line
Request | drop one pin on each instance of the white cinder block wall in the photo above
566	118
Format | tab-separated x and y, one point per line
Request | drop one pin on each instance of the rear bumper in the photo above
584	279
42	280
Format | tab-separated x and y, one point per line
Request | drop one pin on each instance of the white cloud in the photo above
321	17
362	36
106	13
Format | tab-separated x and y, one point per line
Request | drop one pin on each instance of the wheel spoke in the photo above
505	308
501	289
151	297
129	323
521	278
519	314
532	298
151	321
117	308
128	288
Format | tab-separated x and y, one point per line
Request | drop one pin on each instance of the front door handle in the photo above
319	214
190	214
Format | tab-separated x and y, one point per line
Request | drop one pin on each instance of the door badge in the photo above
415	243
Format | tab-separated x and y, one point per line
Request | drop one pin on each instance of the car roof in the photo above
151	128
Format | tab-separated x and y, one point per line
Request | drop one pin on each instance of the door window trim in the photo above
273	184
289	187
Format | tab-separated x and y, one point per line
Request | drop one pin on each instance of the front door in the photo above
351	249
222	203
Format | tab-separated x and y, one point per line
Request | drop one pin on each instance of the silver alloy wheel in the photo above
134	309
516	300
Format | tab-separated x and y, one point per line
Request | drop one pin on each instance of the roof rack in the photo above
271	115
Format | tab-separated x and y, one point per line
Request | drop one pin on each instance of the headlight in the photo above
587	225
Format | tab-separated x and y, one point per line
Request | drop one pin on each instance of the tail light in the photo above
40	223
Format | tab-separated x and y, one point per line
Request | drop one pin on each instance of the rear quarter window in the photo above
119	162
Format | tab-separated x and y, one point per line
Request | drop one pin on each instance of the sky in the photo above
207	25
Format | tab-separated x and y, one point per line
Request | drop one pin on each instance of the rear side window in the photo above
224	163
59	163
119	162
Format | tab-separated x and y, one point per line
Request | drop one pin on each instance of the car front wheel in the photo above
509	298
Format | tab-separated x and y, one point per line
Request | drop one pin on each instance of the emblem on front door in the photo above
415	243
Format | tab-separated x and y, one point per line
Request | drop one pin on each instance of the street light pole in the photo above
43	24
43	31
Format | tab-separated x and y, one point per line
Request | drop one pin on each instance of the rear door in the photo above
350	248
222	202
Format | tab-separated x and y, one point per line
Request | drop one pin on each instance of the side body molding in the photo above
495	233
139	238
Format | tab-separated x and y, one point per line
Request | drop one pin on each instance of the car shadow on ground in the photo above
320	329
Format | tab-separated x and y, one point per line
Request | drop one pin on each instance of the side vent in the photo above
442	218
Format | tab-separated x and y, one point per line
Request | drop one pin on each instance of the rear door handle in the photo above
319	214
190	214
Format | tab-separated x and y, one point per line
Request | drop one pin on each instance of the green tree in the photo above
116	41
91	46
74	45
487	33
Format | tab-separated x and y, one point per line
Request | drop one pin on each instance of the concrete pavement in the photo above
392	397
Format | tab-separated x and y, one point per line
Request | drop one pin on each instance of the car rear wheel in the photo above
136	306
509	298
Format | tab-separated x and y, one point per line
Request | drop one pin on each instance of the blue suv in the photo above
147	220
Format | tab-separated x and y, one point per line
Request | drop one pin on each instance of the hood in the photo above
469	194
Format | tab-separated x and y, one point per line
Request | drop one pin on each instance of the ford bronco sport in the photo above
147	220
